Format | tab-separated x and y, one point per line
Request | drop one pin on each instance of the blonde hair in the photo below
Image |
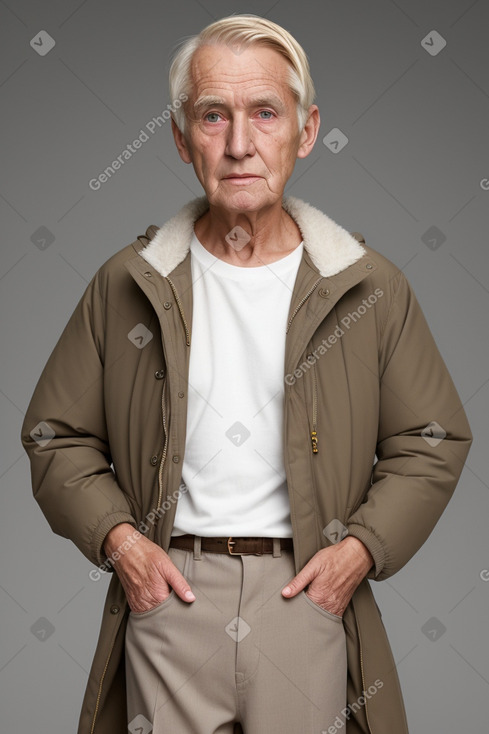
243	30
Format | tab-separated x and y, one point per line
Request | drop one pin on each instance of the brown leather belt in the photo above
233	546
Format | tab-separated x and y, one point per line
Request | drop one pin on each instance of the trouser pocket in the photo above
181	559
319	609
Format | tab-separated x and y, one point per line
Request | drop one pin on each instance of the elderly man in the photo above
209	422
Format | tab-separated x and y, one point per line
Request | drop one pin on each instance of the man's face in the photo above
241	119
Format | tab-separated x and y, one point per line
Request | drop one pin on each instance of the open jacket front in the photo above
375	436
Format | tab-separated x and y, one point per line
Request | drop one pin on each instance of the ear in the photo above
181	143
310	132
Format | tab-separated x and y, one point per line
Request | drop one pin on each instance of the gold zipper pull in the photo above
314	441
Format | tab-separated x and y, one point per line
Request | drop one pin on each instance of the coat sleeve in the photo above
65	436
423	440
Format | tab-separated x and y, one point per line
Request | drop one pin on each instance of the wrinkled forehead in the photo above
234	76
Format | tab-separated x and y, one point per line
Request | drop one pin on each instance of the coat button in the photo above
369	266
114	609
148	274
181	394
323	292
175	459
159	374
167	305
154	460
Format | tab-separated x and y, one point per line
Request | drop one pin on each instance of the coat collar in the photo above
330	247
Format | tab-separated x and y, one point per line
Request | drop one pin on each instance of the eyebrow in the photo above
265	100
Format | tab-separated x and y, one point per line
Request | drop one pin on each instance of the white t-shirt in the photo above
233	466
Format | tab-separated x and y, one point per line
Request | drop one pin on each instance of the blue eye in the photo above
216	114
266	112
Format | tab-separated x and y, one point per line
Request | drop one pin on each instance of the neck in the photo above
248	238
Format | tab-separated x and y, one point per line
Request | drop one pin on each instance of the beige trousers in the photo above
240	652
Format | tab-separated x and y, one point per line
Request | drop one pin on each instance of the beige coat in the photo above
363	380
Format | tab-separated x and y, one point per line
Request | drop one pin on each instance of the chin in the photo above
244	201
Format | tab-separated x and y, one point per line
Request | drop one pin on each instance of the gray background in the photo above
416	159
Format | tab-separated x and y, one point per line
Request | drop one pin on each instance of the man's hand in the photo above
146	572
333	574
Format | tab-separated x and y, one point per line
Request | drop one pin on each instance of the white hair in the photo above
243	30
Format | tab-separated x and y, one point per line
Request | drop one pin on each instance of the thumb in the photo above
299	582
179	584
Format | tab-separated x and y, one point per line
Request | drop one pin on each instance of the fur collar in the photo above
330	247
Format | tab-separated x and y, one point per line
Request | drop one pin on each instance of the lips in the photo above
242	178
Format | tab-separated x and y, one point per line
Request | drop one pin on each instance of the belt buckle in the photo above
230	543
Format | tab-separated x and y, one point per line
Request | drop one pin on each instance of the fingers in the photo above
148	577
144	602
299	582
178	583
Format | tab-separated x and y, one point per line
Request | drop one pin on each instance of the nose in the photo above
239	141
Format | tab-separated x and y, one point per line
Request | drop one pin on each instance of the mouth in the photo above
242	179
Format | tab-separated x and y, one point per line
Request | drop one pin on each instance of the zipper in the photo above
163	414
163	455
362	672
180	308
314	435
302	301
102	678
